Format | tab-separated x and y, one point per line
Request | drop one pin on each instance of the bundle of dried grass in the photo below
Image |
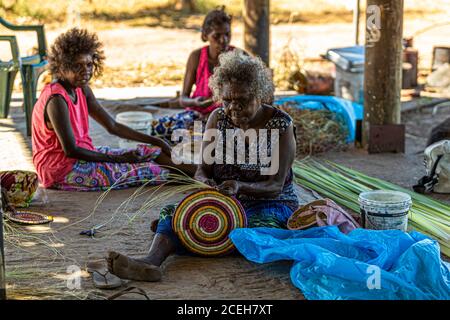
317	130
288	71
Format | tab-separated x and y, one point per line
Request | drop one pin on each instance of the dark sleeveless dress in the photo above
251	172
267	212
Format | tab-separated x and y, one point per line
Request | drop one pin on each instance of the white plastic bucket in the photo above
137	120
384	209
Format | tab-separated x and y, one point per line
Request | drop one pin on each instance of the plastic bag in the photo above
365	264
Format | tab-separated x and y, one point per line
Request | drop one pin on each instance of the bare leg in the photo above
161	248
143	269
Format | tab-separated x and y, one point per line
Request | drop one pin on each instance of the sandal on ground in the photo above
129	290
102	278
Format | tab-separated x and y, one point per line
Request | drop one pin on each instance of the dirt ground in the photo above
41	269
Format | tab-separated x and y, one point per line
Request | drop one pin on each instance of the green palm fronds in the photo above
343	185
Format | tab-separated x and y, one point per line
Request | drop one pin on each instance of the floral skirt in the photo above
98	176
165	126
19	186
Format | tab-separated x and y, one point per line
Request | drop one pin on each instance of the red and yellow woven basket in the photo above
22	216
204	219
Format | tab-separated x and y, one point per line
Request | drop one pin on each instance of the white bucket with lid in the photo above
384	209
136	120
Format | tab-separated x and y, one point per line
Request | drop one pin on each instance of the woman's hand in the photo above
130	157
107	121
165	147
200	176
209	182
229	187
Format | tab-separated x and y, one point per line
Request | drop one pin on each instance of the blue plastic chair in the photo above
31	67
8	71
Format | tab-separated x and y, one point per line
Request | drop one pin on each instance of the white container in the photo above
136	120
384	209
349	80
349	85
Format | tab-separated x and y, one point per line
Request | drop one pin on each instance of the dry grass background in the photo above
54	12
137	17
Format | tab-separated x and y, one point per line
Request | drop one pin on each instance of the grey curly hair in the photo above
238	67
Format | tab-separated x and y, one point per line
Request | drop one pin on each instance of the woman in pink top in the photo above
63	153
216	30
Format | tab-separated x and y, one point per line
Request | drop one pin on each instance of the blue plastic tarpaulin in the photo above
350	111
364	264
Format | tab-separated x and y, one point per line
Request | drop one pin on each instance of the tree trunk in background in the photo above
356	14
257	28
185	5
383	64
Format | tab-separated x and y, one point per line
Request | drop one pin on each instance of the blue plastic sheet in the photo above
350	111
365	264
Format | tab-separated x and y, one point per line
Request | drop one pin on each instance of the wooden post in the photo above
257	28
356	14
383	64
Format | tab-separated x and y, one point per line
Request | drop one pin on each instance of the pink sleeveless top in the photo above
51	163
201	82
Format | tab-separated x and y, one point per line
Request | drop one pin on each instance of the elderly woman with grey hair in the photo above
243	86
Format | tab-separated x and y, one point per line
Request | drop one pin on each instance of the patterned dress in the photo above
251	172
97	176
165	126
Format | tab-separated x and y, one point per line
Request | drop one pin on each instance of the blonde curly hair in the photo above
238	67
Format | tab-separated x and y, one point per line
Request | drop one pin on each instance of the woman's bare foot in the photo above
132	269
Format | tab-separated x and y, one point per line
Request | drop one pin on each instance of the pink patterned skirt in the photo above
97	176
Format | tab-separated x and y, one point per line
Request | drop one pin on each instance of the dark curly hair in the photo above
69	45
214	18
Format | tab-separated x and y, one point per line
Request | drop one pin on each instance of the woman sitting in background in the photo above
243	86
63	153
216	30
